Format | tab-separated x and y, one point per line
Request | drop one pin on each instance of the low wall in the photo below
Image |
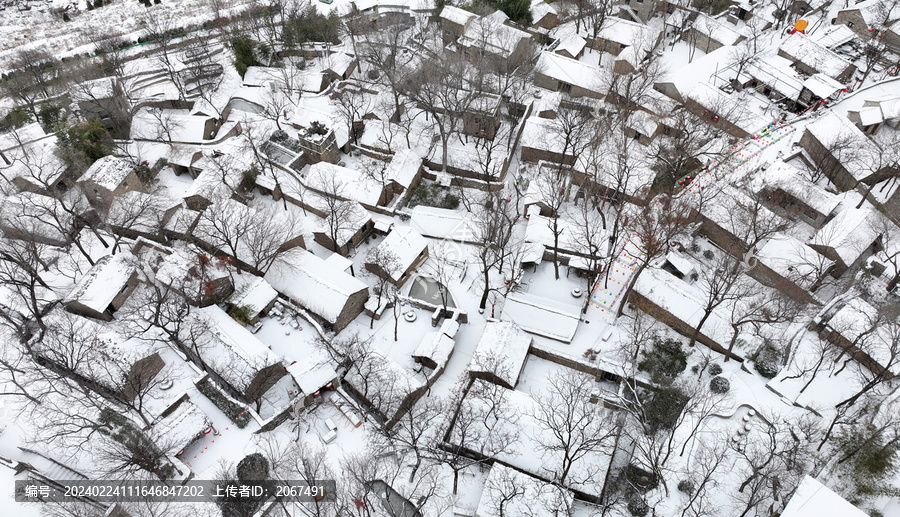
664	316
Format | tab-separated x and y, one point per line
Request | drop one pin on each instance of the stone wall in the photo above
664	316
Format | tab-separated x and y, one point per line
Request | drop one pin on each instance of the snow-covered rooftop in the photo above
733	108
790	179
103	282
856	152
182	266
252	292
491	34
313	283
813	54
457	15
442	223
792	259
822	86
403	167
501	351
715	30
859	322
386	382
571	71
701	69
340	63
235	353
834	37
312	374
343	183
406	245
850	233
570	42
108	172
437	346
877	12
813	499
181	426
542	316
627	32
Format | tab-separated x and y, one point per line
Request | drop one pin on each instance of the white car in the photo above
327	430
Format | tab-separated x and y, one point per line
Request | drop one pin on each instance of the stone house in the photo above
811	57
407	250
845	154
454	22
319	287
107	178
104	288
575	78
872	18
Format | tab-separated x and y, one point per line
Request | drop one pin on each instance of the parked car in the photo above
327	430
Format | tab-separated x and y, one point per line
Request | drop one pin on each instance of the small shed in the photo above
436	348
254	295
406	249
312	375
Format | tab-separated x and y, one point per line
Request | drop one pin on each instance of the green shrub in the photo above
241	313
638	507
145	174
248	179
81	145
767	360
433	195
254	467
664	361
243	54
236	413
16	118
138	448
715	369
686	486
664	408
50	116
719	385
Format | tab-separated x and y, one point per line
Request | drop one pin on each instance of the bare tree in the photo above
483	423
494	237
414	432
444	255
34	80
384	262
162	31
721	282
553	190
710	459
503	488
341	216
682	148
446	87
352	103
771	461
654	226
588	230
572	428
757	307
